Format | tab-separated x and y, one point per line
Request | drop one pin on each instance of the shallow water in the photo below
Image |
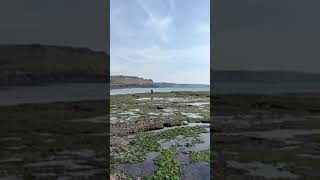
265	87
166	112
179	141
10	139
185	125
199	104
198	170
192	115
10	160
53	93
10	178
86	173
126	116
283	134
277	134
183	158
113	119
99	119
173	100
81	163
205	145
67	164
84	153
311	156
263	170
141	169
185	143
147	90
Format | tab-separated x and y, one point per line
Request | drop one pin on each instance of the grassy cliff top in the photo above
121	80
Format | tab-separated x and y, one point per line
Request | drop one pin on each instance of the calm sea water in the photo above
265	88
147	90
70	92
52	93
97	91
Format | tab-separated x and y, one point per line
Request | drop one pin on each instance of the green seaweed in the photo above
150	141
169	167
202	156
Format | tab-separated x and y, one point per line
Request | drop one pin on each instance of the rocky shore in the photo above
266	136
160	136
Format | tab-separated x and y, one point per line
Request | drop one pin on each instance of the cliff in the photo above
36	64
130	82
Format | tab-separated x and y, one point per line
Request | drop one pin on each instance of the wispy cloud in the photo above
160	24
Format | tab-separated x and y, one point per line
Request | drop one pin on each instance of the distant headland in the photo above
42	64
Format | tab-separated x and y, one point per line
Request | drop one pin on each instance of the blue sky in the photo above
165	40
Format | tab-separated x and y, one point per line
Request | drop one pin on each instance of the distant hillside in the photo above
137	82
175	85
130	81
36	64
262	76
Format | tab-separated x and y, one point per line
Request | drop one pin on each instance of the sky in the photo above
279	35
162	40
77	23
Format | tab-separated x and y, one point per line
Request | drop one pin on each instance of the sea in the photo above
70	92
266	88
147	90
97	91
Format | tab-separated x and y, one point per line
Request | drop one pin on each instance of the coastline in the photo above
240	120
